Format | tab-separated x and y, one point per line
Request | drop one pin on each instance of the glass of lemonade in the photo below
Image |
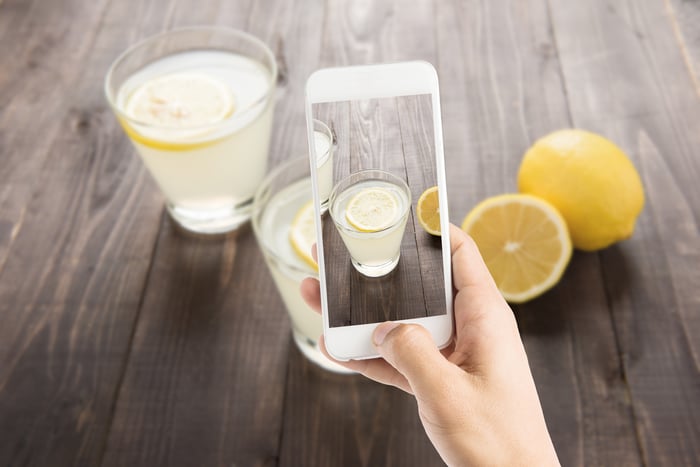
197	103
323	141
283	221
370	209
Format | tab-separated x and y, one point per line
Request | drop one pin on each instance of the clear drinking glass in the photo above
278	201
197	103
323	140
370	209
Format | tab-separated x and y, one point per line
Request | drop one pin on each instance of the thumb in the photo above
411	350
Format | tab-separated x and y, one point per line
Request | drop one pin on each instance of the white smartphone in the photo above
376	261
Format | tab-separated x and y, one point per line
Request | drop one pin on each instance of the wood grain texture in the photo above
216	396
684	21
650	108
82	219
198	390
502	89
33	58
348	420
125	342
418	136
369	424
381	137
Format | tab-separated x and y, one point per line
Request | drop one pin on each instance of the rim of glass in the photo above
392	178
219	29
256	208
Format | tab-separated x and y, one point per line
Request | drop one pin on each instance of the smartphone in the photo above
376	262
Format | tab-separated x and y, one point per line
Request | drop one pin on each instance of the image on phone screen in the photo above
380	263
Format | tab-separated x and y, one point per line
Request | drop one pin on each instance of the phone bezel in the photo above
374	82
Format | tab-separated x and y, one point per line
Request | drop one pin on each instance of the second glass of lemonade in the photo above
197	103
370	209
283	221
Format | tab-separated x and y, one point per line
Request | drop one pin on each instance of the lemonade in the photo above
277	204
370	210
323	142
200	119
201	170
287	268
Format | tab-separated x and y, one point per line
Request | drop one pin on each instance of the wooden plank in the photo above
417	135
350	420
628	80
684	18
199	389
48	52
35	75
79	250
357	422
376	141
501	90
205	380
337	116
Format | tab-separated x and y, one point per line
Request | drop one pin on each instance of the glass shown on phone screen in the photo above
380	264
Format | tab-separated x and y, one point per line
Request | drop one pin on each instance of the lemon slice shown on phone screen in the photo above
428	211
372	210
302	234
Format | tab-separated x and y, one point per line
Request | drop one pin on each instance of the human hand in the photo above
476	398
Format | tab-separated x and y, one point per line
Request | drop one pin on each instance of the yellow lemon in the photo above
589	180
372	210
428	211
302	234
524	242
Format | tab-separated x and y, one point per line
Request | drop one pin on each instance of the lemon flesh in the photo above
589	180
524	242
180	100
302	234
372	210
428	211
175	109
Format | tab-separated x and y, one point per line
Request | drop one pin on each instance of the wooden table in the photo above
125	342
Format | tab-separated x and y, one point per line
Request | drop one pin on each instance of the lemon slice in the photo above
302	234
372	210
182	101
428	211
524	241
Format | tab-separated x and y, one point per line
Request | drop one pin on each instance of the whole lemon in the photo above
589	180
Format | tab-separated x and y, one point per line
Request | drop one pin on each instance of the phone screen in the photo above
380	263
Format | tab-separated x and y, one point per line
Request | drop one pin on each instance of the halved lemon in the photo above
372	209
302	234
182	101
428	211
524	242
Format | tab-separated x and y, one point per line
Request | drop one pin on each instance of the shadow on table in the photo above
586	287
198	278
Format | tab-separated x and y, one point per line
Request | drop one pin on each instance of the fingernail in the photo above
381	331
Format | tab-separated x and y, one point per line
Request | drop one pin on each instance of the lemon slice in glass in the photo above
173	111
372	210
302	234
524	242
181	100
428	211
